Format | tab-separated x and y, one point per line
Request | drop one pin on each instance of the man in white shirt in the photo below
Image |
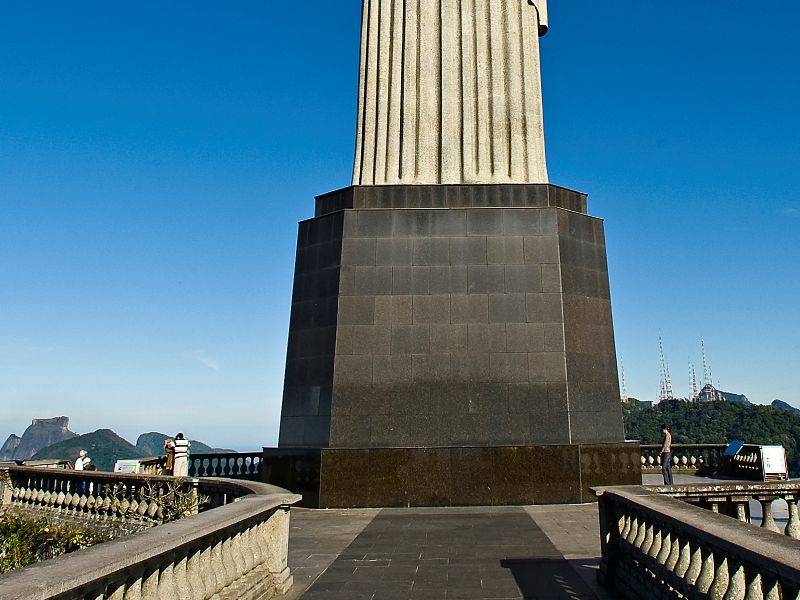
80	461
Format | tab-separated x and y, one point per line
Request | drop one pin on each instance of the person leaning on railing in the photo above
666	454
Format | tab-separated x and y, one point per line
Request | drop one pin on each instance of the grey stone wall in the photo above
451	326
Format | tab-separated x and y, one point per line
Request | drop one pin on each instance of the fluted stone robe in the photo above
450	92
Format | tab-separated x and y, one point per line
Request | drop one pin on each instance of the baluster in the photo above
238	556
229	566
218	567
706	577
655	546
771	588
116	590
180	575
166	582
649	538
641	533
793	526
695	564
197	590
666	546
247	550
721	578
627	523
150	585
674	553
754	589
768	520
684	560
737	587
207	570
259	551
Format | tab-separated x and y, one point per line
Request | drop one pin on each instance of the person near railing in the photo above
666	454
169	453
181	468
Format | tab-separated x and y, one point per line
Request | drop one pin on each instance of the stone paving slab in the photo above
444	553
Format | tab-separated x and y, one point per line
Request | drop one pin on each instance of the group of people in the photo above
177	452
176	463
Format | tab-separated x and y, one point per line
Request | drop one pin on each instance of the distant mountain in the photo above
11	445
152	444
786	407
41	434
104	447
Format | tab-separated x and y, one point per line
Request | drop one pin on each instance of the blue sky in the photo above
156	157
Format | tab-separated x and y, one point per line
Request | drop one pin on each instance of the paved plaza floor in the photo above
547	553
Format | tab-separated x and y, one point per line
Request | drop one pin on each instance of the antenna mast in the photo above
666	392
624	388
695	393
708	376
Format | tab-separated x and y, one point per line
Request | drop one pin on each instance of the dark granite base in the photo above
451	476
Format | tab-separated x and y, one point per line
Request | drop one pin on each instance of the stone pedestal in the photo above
452	476
447	318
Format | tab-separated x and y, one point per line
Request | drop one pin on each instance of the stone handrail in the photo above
686	458
733	500
135	499
658	546
233	465
238	550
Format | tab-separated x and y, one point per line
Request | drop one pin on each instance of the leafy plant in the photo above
175	499
26	540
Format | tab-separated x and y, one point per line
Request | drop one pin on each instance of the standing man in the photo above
666	454
181	467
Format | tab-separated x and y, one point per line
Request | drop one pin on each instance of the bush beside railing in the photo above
238	549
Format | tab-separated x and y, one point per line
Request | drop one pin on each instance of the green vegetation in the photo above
26	540
716	423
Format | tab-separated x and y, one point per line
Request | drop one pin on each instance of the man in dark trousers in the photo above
666	455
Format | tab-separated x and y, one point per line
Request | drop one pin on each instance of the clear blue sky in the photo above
156	157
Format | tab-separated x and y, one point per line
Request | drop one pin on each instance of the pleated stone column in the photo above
450	92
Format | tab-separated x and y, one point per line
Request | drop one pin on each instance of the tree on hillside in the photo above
716	423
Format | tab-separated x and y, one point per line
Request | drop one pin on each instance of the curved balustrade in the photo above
233	465
237	550
135	499
686	458
657	546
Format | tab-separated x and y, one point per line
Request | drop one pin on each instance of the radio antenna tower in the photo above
666	392
624	389
708	376
695	393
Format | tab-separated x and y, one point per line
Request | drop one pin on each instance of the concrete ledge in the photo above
365	197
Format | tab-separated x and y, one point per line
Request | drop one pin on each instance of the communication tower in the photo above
666	392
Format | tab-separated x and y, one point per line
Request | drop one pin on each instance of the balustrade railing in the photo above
734	501
238	549
135	499
686	458
662	543
233	465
